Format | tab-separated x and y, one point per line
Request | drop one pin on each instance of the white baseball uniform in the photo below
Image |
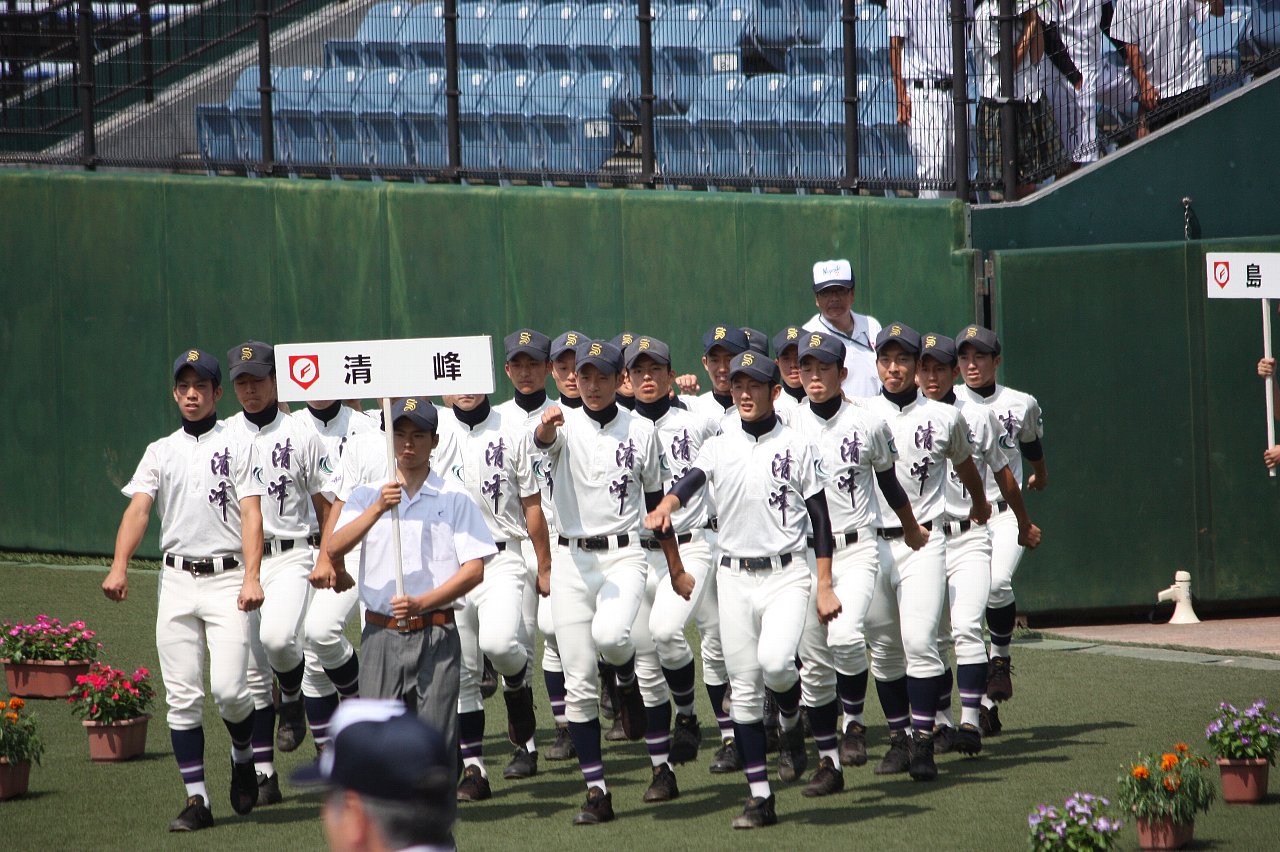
859	352
926	69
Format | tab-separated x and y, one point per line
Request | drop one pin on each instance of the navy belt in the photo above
201	567
893	533
596	542
957	527
756	563
842	539
655	544
313	540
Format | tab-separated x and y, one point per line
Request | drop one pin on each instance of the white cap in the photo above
828	273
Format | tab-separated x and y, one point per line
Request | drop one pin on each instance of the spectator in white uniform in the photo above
833	288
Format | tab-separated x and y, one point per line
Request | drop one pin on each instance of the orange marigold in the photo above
1172	783
12	717
2	704
15	703
1183	748
1168	761
1141	773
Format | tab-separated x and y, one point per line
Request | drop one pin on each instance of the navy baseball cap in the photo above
650	346
419	410
903	335
982	339
622	341
731	338
570	340
824	347
832	273
378	749
526	341
785	339
253	357
205	365
757	341
755	366
602	355
938	347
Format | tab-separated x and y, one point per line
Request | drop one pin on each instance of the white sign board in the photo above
365	369
1243	275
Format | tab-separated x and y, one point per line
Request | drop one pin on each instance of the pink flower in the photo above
115	696
94	709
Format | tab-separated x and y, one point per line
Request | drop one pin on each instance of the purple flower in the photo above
1102	825
1034	820
1237	723
1244	740
1253	712
1214	728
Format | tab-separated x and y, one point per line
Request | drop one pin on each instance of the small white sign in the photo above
370	369
1243	275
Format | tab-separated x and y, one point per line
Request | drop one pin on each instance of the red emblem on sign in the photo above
304	370
1221	273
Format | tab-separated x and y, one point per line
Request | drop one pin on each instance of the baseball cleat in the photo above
598	808
663	787
792	759
244	787
269	789
521	723
686	739
474	787
194	816
922	767
758	813
826	781
853	749
968	740
631	710
524	764
999	682
608	691
944	738
727	758
899	756
616	734
292	728
989	721
562	748
488	680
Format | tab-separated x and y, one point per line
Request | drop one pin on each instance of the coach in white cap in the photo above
833	294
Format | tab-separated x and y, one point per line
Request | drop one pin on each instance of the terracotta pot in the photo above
14	778
110	742
1244	782
1163	833
43	678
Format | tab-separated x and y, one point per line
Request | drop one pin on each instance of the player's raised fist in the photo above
553	416
688	384
1029	537
659	520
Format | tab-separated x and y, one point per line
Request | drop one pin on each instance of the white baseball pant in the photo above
1006	553
536	610
194	613
902	622
325	645
968	556
671	613
649	675
707	618
491	624
930	136
275	628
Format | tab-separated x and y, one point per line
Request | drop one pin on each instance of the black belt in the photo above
842	539
1001	505
713	524
501	545
596	542
756	563
957	527
944	84
655	544
282	545
892	533
313	540
201	567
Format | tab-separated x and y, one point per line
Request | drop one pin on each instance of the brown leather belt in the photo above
412	624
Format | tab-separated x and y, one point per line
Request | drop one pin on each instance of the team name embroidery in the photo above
924	436
851	451
494	454
279	490
220	497
619	489
626	455
782	466
681	446
778	500
493	489
1010	422
845	484
220	463
955	479
920	471
281	455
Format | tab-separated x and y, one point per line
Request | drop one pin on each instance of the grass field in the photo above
1074	721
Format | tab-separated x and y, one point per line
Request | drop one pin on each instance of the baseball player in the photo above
968	550
902	622
719	345
920	58
855	453
609	466
1021	430
833	288
760	473
493	460
293	467
626	394
200	479
785	344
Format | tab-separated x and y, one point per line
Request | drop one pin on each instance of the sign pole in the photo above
1271	380
389	429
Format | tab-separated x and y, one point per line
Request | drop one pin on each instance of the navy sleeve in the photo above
1032	451
891	488
688	485
823	543
651	501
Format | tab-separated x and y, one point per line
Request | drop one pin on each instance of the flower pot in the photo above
110	742
1163	833
14	778
1244	782
43	678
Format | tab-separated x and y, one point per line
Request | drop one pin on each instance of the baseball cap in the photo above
982	339
565	342
526	341
731	338
377	748
253	357
757	340
824	347
832	273
622	341
651	346
789	336
939	347
419	410
601	354
755	366
903	335
205	365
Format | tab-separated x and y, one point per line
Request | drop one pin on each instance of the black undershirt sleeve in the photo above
820	519
689	485
891	488
1032	451
1057	52
651	501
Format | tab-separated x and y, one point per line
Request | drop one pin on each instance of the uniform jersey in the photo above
983	432
197	485
852	447
364	462
707	406
926	34
759	487
926	434
515	417
859	354
493	462
1019	419
600	474
333	436
1165	33
1028	77
681	435
293	462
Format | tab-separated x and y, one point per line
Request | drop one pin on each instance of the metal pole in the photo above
1270	382
849	17
452	87
644	16
266	126
84	34
148	61
1008	139
960	98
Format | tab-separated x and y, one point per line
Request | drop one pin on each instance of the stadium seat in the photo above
376	43
378	119
1220	40
421	105
825	57
550	37
592	37
513	142
548	107
819	143
473	120
728	26
775	23
507	37
879	110
218	126
597	98
333	102
1265	24
764	140
813	19
422	36
681	149
473	22
299	134
624	56
677	61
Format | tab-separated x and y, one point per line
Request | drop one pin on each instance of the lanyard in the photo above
840	334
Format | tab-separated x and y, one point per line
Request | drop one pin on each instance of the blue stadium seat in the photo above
376	42
1265	24
776	24
473	120
218	126
548	107
597	98
378	118
550	37
513	140
507	37
333	102
820	58
763	137
729	25
1220	40
422	36
681	149
592	37
473	22
814	17
677	65
299	134
879	110
624	44
421	105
